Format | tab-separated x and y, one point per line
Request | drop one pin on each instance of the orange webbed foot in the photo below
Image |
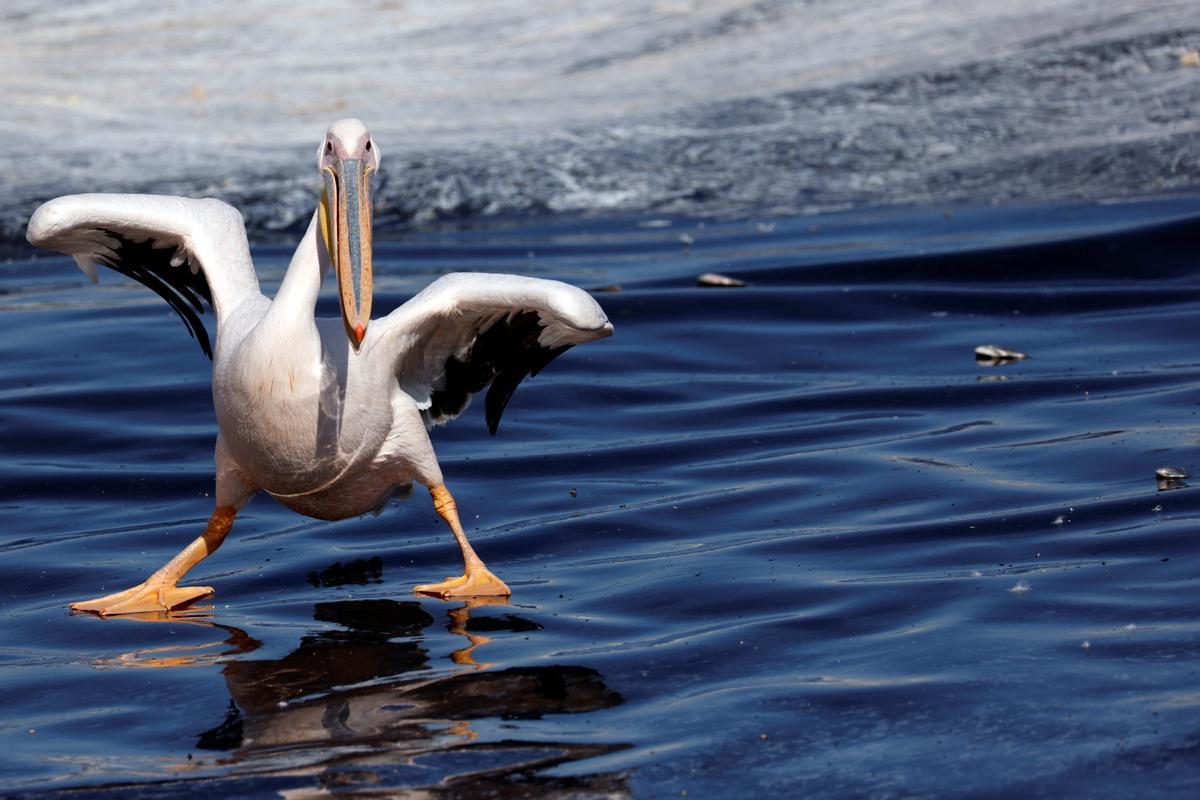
477	582
144	598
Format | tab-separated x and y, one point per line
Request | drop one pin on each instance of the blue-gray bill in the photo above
346	217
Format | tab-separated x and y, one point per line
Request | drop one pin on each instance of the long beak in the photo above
346	226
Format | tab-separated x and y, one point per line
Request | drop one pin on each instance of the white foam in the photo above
137	94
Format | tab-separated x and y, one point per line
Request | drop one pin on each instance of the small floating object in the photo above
717	279
991	355
1190	59
1021	588
941	150
608	287
1170	474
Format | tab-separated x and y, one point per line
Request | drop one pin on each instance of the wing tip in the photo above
43	222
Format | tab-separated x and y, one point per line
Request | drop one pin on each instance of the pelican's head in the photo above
347	158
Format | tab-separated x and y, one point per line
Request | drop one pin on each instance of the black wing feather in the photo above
503	355
151	266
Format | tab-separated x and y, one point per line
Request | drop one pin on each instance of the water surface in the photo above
786	538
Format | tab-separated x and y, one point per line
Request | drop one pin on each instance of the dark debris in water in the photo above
716	279
990	355
1168	478
1171	473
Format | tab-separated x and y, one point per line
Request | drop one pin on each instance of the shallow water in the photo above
785	538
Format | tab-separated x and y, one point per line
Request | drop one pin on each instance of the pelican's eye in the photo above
328	147
368	145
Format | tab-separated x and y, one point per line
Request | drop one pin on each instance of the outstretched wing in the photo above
192	253
468	330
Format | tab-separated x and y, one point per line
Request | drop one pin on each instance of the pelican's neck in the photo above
298	293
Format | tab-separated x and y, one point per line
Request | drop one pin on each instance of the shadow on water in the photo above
360	710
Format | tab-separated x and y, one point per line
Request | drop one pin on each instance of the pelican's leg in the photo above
476	578
160	591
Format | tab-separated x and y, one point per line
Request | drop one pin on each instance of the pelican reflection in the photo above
363	701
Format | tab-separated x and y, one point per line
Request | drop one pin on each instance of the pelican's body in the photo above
321	449
329	416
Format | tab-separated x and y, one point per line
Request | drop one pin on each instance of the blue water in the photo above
790	538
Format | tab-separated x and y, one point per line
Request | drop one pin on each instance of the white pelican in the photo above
330	417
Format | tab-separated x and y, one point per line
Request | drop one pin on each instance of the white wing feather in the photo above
445	320
209	234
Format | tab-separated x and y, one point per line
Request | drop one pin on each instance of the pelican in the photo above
331	417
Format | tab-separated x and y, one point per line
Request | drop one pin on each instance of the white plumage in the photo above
329	416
